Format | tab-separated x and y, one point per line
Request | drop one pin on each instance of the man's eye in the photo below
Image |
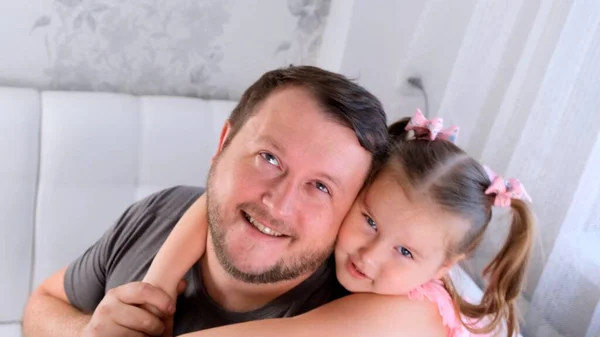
269	158
322	187
371	223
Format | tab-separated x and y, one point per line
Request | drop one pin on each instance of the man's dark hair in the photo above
341	99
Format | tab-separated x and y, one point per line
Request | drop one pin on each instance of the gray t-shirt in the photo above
124	253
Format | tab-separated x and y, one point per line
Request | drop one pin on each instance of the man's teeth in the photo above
262	228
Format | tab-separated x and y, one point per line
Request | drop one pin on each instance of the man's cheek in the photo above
235	177
328	229
250	180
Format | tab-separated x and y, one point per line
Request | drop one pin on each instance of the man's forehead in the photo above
271	141
292	123
308	126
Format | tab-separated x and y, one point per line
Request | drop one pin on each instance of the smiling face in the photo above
391	243
280	189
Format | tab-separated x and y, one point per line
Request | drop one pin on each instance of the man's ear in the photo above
445	268
225	131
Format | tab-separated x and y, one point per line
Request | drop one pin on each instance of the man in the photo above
292	157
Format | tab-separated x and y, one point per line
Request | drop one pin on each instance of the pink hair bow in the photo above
505	190
431	129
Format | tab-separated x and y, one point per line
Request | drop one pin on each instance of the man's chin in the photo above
252	270
256	262
268	273
254	274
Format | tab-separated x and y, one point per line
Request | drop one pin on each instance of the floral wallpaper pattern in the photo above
169	47
306	41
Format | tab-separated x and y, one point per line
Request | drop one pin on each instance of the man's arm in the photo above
50	301
49	313
73	302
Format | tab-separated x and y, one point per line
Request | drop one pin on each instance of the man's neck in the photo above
236	295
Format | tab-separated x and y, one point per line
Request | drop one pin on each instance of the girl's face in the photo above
389	244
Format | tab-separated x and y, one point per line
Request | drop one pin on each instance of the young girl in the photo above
426	209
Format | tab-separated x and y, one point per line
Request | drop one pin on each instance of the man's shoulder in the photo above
170	202
125	251
143	229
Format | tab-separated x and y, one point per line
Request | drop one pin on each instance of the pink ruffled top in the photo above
435	292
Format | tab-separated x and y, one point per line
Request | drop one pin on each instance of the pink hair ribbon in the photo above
505	189
431	129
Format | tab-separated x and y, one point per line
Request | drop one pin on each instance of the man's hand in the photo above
133	309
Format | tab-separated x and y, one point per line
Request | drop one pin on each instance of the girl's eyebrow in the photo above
413	251
370	213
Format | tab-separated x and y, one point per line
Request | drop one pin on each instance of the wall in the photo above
208	48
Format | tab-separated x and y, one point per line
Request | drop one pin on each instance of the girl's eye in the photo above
370	222
269	158
322	187
405	252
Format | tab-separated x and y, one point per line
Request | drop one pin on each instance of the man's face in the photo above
280	189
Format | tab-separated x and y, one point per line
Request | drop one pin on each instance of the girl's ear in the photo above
445	268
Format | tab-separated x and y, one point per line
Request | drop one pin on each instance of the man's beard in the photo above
282	270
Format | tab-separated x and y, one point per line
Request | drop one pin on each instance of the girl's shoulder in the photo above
436	293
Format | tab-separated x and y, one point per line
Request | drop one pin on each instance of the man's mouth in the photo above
261	227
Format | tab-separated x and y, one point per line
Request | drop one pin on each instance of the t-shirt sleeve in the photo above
85	278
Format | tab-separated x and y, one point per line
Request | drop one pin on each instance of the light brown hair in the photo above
442	172
341	99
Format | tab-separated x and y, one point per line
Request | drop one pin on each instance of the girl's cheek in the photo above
349	238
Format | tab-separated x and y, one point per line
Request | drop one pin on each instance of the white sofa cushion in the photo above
101	152
71	162
10	330
19	140
88	171
176	153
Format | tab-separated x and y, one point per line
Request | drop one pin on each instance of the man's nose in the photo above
281	198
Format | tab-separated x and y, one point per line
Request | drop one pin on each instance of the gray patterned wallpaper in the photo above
203	48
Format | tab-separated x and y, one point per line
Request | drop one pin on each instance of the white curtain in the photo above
521	79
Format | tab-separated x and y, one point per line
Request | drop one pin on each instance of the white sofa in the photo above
71	162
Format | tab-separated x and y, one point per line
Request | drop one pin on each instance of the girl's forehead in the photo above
412	217
387	193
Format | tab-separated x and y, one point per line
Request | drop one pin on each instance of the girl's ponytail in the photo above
505	274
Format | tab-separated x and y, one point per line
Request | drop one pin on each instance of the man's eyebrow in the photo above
325	176
333	180
271	141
